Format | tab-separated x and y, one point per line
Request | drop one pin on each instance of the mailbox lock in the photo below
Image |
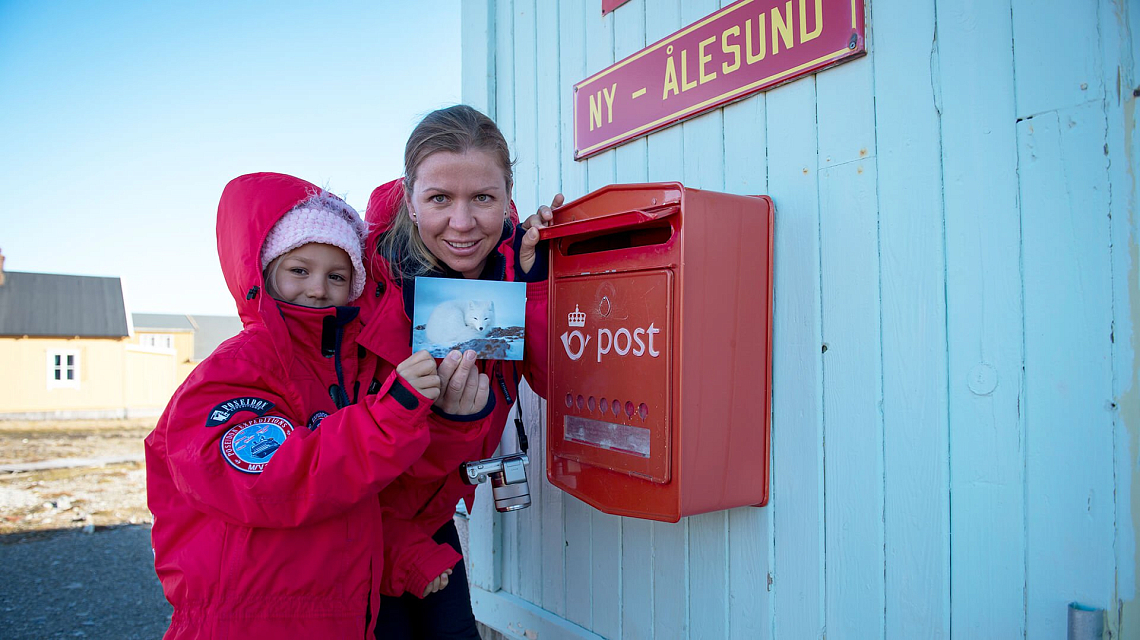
605	306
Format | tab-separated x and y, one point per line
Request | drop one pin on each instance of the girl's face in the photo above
459	204
312	275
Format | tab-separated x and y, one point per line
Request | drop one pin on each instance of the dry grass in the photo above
72	497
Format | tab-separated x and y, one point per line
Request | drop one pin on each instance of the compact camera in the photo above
508	479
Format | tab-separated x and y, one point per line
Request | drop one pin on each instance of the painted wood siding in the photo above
956	409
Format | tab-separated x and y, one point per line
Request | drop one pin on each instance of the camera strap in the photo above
523	442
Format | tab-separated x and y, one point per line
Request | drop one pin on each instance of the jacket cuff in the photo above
483	413
404	394
442	558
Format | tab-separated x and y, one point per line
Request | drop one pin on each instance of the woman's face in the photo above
459	203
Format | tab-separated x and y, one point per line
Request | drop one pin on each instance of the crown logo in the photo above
576	318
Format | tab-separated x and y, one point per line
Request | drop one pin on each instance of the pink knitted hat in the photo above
325	219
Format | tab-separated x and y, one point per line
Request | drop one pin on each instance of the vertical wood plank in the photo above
749	529
636	595
505	118
477	35
579	562
670	561
571	69
852	381
916	503
1067	283
984	320
480	20
1054	71
1068	369
605	534
484	546
1120	46
528	523
852	364
797	420
670	579
576	514
703	168
550	169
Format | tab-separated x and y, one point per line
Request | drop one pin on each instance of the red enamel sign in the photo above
610	5
739	50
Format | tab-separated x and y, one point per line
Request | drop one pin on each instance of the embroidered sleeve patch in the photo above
249	446
222	413
316	419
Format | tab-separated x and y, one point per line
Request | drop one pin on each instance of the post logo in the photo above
622	341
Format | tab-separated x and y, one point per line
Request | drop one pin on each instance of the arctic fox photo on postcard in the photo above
486	317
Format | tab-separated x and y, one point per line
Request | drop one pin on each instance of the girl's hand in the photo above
419	370
464	389
532	224
437	585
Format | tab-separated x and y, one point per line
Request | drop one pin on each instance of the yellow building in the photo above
68	349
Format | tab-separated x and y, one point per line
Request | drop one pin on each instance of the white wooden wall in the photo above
956	410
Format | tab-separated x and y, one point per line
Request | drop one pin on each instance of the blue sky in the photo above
120	122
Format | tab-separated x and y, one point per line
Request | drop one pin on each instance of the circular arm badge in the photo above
250	445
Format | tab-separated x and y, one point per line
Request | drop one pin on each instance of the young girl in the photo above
264	470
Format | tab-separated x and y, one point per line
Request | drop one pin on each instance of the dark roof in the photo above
161	321
213	331
52	305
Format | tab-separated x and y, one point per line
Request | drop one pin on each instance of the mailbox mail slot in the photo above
660	355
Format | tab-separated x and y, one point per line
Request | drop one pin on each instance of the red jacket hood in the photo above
250	206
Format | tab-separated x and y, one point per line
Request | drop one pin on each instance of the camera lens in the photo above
509	497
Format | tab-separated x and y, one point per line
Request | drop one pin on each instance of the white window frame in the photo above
63	382
157	341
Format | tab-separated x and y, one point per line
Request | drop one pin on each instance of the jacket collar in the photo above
318	331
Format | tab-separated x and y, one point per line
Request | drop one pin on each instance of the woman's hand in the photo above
437	585
464	389
532	225
420	372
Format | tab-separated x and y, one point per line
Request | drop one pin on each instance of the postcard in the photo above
481	315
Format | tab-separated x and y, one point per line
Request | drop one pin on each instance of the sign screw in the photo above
853	41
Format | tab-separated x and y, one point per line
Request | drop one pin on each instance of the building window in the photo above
158	341
63	368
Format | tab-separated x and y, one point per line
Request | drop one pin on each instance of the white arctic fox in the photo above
456	321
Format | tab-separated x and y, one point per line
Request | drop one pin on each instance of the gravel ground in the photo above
70	584
75	542
75	557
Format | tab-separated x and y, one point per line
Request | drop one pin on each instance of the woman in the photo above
450	216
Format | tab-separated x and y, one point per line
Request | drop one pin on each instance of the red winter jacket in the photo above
263	488
424	498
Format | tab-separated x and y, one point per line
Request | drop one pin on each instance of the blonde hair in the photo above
456	129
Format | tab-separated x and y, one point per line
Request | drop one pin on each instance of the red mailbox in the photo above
660	350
